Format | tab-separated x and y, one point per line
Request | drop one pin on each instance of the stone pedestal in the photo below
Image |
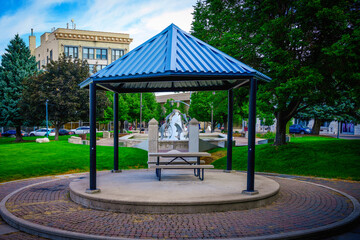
75	140
153	138
193	137
106	134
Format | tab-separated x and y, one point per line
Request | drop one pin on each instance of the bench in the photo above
181	162
174	163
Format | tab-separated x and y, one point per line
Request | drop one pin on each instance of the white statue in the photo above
174	127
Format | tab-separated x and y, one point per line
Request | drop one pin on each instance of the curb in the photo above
53	233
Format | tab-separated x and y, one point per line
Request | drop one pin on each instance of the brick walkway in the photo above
300	206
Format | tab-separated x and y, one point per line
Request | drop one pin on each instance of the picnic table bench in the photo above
174	162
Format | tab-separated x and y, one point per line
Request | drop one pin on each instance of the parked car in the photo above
81	130
42	132
297	128
12	133
64	132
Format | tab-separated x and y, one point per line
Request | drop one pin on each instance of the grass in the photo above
31	159
306	155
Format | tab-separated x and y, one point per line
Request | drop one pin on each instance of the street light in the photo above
212	115
180	102
47	120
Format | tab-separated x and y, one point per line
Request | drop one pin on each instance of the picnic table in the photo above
177	160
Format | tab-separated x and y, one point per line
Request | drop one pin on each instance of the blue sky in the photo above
140	18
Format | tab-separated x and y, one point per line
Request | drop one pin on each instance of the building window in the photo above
101	54
47	59
71	52
38	65
91	53
51	55
99	67
85	53
91	68
116	54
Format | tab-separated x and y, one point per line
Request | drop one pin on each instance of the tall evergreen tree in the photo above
17	64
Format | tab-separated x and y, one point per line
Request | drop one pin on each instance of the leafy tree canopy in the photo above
58	85
294	42
129	107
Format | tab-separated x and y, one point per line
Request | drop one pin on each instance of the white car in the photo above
42	132
81	130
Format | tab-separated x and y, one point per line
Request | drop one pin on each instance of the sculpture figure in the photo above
174	127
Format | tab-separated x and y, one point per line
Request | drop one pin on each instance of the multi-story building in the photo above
97	48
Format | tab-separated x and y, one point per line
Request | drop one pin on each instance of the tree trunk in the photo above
317	125
57	128
18	134
280	138
120	126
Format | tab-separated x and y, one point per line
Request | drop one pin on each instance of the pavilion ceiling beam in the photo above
108	87
169	89
176	78
239	84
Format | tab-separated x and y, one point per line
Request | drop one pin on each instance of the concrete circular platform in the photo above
179	192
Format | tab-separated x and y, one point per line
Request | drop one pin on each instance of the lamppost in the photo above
47	116
212	115
180	102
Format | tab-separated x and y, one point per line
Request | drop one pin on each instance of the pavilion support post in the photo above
230	131
92	188
116	133
251	140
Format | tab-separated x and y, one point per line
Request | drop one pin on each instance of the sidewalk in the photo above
300	207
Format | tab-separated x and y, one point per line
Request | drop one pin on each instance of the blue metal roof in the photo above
174	60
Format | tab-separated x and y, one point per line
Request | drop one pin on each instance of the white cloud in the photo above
142	19
32	15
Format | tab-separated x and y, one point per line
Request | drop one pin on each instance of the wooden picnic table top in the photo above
180	154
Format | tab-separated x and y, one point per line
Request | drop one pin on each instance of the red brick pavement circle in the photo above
300	206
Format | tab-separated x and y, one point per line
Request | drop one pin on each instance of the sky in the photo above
142	19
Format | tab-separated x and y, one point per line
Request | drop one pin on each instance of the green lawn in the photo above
308	155
31	159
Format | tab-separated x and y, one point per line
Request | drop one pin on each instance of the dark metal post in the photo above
230	130
338	130
251	139
92	139
116	132
47	118
140	111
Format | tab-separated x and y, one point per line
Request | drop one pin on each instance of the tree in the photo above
129	107
344	108
169	106
59	85
291	41
17	64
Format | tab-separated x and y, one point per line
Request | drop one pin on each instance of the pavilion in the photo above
174	60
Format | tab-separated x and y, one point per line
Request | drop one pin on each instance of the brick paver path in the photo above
300	206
